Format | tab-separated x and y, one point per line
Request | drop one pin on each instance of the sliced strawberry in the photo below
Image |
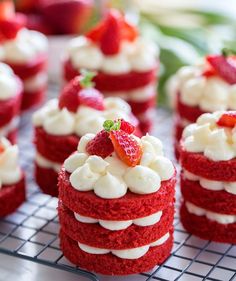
126	126
126	147
92	98
128	32
96	33
224	67
69	97
101	145
228	119
7	9
111	37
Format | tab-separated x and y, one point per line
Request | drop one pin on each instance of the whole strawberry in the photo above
80	91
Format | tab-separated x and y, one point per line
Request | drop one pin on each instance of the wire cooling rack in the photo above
32	231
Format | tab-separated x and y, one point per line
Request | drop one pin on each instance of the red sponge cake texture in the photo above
200	165
215	201
111	265
128	207
207	229
94	235
11	197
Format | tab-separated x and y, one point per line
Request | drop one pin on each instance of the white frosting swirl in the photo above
205	136
27	45
119	225
9	84
113	177
133	253
220	218
229	187
10	172
57	121
140	55
209	94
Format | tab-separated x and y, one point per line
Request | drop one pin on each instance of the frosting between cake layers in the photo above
36	82
111	178
205	136
229	187
138	95
133	253
119	225
10	172
9	84
27	45
56	121
208	93
219	218
140	56
43	162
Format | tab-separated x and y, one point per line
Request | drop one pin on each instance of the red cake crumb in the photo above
207	229
55	148
113	83
140	107
127	207
200	165
215	201
31	68
190	113
11	197
10	108
47	180
12	136
95	235
111	265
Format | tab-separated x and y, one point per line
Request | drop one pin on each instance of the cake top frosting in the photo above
81	109
18	44
10	172
113	46
114	160
10	85
214	135
208	85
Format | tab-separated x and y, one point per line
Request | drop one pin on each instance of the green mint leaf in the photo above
86	78
107	125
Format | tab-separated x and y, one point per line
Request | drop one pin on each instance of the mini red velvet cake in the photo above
26	52
207	87
12	182
81	109
10	102
208	178
126	64
116	202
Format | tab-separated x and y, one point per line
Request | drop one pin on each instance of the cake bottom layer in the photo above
11	197
207	229
109	264
46	178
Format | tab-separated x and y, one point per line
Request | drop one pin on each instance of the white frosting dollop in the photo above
140	55
133	253
9	84
208	93
205	136
111	178
119	225
220	218
56	121
10	172
27	45
229	187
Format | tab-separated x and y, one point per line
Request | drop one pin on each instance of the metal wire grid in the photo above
32	231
